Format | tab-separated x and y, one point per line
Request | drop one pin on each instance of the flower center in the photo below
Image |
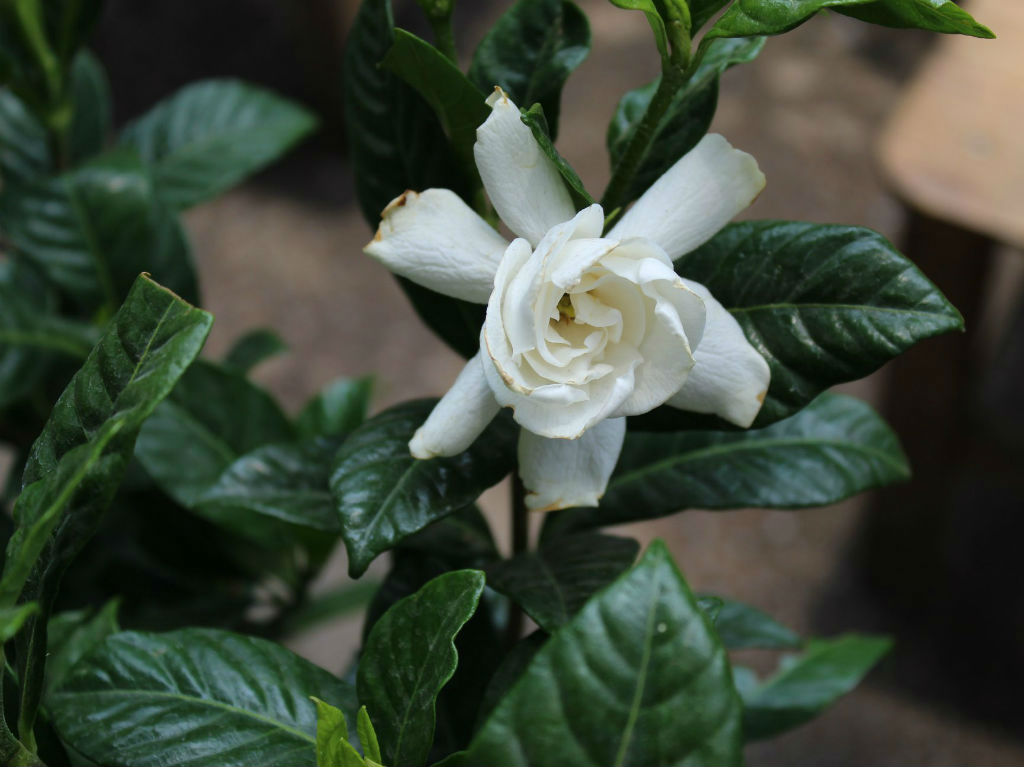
565	307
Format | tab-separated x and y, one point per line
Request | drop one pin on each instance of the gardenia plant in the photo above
627	358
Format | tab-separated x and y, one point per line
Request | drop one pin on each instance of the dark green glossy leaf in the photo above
508	672
409	656
91	115
933	15
741	626
535	121
637	677
531	51
829	669
822	304
686	119
772	17
70	636
211	135
836	447
552	583
397	143
213	697
274	484
383	494
458	104
337	410
702	11
13	618
254	347
24	143
93	230
32	335
214	416
332	745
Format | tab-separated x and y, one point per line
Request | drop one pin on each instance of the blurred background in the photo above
828	110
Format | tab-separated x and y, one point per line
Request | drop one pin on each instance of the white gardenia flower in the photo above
582	329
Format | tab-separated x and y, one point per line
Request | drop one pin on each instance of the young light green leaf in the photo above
822	304
741	626
458	104
95	229
254	347
24	143
383	494
686	119
199	684
758	17
552	583
836	447
534	120
337	410
211	135
367	736
214	416
409	656
829	669
650	10
91	108
531	51
332	745
640	665
70	636
13	618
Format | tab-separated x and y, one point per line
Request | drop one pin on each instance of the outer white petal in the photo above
439	242
730	378
694	198
523	183
459	418
561	473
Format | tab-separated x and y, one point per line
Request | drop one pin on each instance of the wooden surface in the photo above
954	148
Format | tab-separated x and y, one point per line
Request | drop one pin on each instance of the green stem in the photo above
12	751
444	37
672	79
520	543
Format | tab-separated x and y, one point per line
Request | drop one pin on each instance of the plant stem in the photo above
520	543
444	37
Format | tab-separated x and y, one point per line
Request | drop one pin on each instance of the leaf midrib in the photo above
840	307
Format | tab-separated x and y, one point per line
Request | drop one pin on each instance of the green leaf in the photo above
741	626
409	656
508	672
637	677
758	17
24	142
337	410
552	583
686	119
68	24
211	135
534	120
822	304
531	51
93	230
13	618
836	447
933	15
367	735
91	115
459	105
213	417
702	11
32	335
332	745
254	347
215	697
650	10
273	484
383	494
70	636
806	686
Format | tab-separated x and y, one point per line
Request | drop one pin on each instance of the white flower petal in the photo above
459	418
562	473
694	198
439	242
730	378
524	185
